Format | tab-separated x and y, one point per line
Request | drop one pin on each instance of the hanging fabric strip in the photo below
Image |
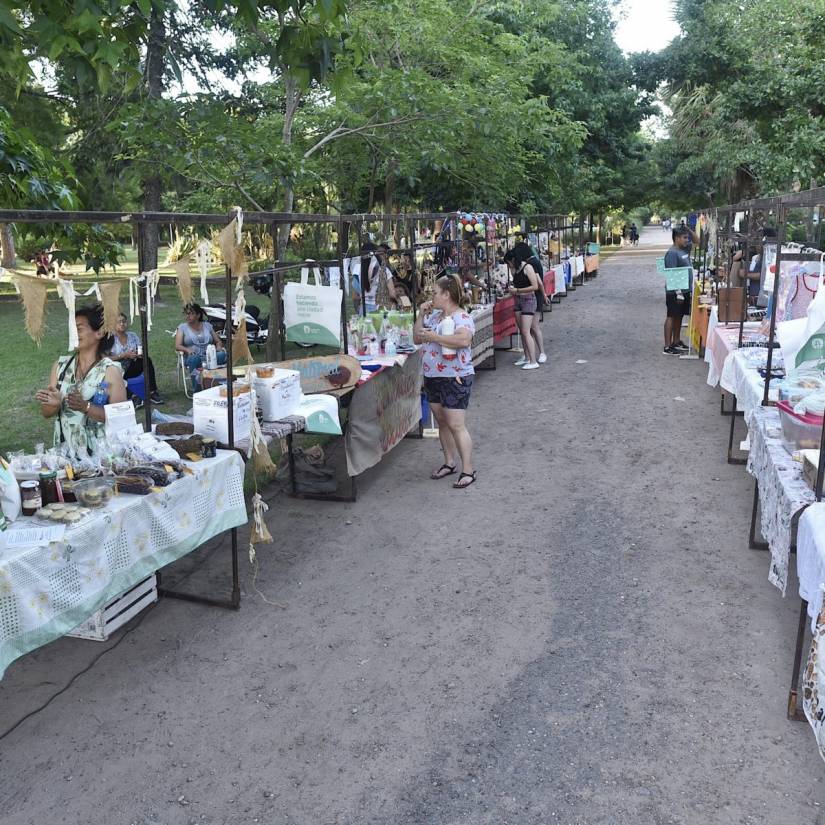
134	298
202	257
151	279
66	291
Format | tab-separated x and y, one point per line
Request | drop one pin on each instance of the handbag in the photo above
312	312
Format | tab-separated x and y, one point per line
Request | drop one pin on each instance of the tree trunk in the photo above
9	257
389	195
152	184
292	97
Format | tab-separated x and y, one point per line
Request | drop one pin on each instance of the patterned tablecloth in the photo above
483	341
504	317
48	590
723	340
810	566
783	492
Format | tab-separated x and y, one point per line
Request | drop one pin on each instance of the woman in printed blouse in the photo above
448	379
125	350
75	378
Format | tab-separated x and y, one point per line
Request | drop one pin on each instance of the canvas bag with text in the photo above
312	312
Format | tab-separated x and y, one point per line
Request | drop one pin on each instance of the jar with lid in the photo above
30	498
48	487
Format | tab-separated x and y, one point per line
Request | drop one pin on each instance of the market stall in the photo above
56	574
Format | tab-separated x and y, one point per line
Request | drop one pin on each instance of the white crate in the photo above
279	395
101	624
211	415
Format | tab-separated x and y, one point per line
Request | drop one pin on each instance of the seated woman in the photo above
192	338
126	351
78	384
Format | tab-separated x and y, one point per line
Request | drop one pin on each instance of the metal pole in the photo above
144	326
343	283
780	239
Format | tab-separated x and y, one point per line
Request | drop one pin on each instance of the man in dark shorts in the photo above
677	301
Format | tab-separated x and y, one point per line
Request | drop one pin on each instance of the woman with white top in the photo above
445	332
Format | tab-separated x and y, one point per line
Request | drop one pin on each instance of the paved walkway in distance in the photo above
582	637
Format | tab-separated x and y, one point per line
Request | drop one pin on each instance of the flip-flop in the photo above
459	486
437	474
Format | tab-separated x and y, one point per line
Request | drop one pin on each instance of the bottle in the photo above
211	357
101	396
382	332
447	327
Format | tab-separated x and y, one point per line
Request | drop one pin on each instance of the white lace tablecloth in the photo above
745	382
810	558
783	491
48	590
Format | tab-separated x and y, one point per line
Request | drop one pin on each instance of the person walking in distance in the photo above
677	301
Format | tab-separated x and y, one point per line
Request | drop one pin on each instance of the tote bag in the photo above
312	312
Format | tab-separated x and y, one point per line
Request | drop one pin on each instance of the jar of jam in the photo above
31	500
48	487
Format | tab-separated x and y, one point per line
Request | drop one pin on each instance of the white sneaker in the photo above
521	362
531	366
542	359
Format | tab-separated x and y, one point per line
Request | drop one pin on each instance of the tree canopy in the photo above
319	105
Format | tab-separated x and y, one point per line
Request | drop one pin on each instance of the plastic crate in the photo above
101	624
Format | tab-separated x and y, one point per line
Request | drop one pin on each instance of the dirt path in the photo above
582	637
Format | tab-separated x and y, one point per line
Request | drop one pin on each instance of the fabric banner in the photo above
591	263
696	327
382	412
504	317
550	283
312	313
483	344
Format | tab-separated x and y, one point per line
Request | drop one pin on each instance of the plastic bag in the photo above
9	493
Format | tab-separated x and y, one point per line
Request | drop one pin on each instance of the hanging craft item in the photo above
203	256
65	289
184	274
229	241
151	280
33	295
240	343
260	534
110	297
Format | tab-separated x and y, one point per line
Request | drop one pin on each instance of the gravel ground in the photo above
581	637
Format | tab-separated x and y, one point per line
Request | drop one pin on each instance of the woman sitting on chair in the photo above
127	352
193	337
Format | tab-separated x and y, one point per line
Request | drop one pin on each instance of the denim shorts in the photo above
450	393
526	304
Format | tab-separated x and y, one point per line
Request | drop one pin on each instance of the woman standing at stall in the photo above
192	338
446	331
524	287
81	384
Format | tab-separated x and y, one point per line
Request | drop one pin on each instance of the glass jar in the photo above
48	487
30	499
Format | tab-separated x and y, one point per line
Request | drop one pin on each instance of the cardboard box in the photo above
279	394
211	415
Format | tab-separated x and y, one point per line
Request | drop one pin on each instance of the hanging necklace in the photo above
82	377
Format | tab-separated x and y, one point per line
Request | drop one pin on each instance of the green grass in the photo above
25	367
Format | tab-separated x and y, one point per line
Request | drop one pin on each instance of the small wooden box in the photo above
100	625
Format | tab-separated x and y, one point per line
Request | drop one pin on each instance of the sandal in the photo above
437	474
459	486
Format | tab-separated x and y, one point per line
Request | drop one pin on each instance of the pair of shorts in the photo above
526	304
450	393
675	307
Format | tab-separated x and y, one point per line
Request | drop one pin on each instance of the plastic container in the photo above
94	492
799	432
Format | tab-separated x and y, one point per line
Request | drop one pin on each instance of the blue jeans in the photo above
194	363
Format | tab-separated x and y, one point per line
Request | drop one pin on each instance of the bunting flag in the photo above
33	295
110	298
184	274
231	247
